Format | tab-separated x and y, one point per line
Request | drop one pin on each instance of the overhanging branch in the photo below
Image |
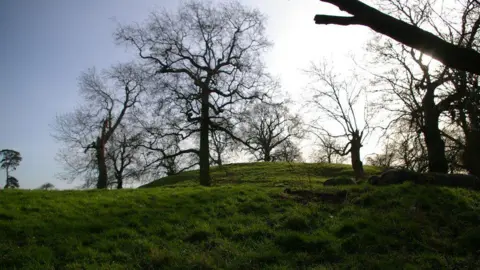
339	20
449	54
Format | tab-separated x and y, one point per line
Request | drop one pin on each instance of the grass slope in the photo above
247	225
265	174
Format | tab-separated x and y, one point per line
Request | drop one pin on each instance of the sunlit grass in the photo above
241	225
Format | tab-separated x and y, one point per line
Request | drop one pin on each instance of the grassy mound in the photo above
266	174
241	226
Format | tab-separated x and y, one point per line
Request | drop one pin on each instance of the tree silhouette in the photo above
47	186
266	127
287	151
210	56
10	160
325	151
428	92
108	99
338	99
12	182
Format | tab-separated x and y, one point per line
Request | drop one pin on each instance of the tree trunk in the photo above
471	155
267	157
357	164
119	178
119	183
6	179
204	145
437	160
102	166
472	139
218	151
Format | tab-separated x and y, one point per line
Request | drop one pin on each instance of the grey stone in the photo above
396	176
339	181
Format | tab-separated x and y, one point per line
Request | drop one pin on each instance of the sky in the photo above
45	45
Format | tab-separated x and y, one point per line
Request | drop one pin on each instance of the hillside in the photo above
244	222
265	174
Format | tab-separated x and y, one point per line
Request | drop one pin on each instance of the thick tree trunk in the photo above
472	140
6	179
267	157
204	146
102	166
119	178
471	155
437	160
357	164
449	54
119	183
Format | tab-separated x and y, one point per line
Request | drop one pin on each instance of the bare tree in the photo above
47	186
455	148
465	112
267	126
107	99
338	100
385	159
287	151
416	86
408	147
464	109
326	150
450	54
423	88
221	142
171	162
125	155
212	53
168	138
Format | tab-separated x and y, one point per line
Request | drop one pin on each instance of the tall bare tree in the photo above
108	97
212	53
417	86
338	99
424	88
465	111
462	29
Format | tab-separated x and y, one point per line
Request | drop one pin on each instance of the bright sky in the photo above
47	44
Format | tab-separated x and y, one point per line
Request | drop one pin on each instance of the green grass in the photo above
248	224
265	174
